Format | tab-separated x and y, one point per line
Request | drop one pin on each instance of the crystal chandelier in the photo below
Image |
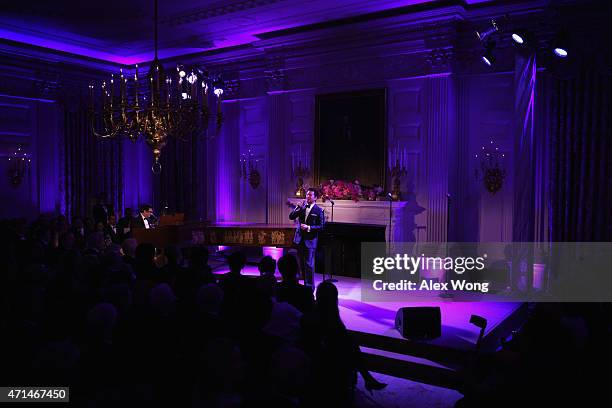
167	106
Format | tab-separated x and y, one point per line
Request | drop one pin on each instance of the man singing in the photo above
312	220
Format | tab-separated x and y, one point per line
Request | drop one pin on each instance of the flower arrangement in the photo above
348	190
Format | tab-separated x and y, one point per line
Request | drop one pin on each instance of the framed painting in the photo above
351	137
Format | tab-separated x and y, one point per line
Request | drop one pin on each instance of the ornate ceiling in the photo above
121	31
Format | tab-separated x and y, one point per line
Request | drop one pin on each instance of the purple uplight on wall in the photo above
273	252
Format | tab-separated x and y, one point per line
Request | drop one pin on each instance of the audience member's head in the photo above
236	262
90	224
112	219
118	294
66	240
288	267
267	266
101	321
162	299
129	247
259	306
172	255
61	223
266	284
95	241
209	299
198	256
145	252
77	223
327	296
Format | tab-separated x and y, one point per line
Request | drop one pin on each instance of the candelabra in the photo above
397	169
248	169
19	164
300	168
491	171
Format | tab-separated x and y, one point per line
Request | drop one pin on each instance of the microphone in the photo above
331	201
390	195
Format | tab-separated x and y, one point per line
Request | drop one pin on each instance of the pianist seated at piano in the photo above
145	217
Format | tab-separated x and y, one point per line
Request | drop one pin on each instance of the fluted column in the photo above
277	158
227	191
440	123
46	157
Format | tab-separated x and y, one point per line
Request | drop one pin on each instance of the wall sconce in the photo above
398	160
218	89
300	168
248	169
19	164
492	171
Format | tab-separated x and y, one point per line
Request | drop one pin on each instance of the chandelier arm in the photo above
155	22
103	135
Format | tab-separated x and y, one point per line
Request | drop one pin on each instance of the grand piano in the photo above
229	234
339	249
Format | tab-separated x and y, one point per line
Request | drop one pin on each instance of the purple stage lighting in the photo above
560	52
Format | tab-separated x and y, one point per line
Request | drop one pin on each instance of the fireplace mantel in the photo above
374	212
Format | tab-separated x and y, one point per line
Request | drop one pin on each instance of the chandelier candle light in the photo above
300	169
177	106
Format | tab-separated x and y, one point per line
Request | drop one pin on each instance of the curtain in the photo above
581	175
177	187
92	166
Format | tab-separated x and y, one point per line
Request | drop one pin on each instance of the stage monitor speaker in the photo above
419	323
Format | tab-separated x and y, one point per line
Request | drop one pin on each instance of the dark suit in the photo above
124	226
306	241
138	222
101	213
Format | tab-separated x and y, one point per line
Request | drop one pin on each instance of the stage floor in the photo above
378	318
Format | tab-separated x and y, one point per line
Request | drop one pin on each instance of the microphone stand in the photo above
446	294
390	218
331	239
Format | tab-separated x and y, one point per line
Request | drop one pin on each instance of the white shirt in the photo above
308	213
146	222
308	210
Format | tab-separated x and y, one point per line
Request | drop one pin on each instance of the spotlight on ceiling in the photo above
482	35
518	38
561	46
522	38
488	56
